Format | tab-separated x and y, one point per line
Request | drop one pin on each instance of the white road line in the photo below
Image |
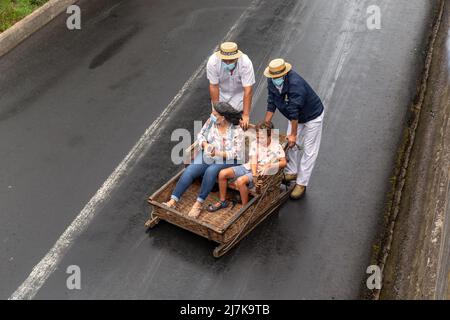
42	271
344	46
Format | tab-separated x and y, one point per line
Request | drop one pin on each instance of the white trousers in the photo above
301	162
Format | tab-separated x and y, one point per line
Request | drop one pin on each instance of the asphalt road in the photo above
73	103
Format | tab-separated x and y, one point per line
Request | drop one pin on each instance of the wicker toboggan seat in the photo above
232	224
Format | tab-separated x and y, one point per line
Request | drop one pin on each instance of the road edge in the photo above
24	28
384	245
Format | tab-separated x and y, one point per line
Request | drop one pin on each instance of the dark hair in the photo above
226	110
265	125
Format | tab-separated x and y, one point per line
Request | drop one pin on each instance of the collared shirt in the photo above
231	85
231	142
280	88
297	100
265	154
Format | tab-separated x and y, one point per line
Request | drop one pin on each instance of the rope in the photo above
230	244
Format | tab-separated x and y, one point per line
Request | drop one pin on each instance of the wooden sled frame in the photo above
269	194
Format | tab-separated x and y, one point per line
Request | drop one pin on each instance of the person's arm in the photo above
297	95
219	154
213	77
254	166
253	159
282	163
271	108
268	117
226	155
214	92
272	168
201	137
248	81
248	95
292	137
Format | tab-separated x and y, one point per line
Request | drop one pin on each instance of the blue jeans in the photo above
199	168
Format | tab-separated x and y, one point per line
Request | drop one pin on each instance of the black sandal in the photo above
215	207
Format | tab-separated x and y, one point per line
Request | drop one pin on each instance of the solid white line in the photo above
41	272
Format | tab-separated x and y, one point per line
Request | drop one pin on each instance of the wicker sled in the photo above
227	226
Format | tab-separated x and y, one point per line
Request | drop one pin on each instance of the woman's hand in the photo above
207	147
210	150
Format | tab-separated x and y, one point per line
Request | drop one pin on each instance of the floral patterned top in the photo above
265	154
231	142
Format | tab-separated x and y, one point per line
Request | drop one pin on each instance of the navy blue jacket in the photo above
297	100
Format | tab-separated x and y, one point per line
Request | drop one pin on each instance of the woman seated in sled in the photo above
221	141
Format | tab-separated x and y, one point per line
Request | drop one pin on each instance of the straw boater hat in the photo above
277	68
229	51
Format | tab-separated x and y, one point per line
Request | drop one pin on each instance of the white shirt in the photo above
265	154
231	86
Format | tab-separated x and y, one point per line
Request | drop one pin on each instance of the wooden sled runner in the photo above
228	226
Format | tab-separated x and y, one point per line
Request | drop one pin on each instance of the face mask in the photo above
278	82
229	67
213	118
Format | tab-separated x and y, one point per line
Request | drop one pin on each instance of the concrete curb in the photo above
10	38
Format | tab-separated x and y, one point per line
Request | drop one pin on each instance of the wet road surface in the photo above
73	104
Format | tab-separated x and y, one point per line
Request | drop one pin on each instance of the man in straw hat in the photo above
297	101
231	79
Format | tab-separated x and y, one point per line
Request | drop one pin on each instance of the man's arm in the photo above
292	137
269	116
214	92
297	96
270	105
213	76
248	95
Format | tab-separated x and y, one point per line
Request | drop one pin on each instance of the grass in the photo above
12	11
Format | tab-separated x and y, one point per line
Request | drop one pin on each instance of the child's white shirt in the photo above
265	154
